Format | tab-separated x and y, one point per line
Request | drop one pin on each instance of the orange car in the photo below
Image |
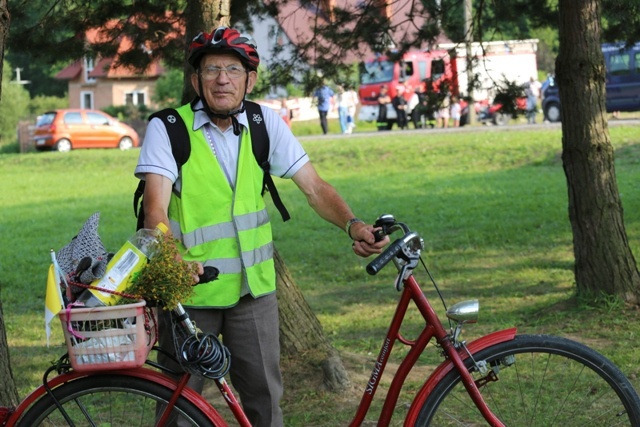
64	130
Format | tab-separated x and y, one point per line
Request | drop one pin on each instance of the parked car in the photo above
622	82
67	129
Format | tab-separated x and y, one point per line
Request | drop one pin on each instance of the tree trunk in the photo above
604	263
8	393
301	332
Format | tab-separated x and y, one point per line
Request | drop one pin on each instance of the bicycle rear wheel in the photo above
110	400
539	381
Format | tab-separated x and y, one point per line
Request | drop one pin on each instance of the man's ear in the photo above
252	79
194	83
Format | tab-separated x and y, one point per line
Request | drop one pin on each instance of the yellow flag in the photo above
53	300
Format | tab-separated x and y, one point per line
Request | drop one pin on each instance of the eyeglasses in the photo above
212	72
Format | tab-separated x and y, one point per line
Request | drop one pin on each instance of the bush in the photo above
41	104
14	106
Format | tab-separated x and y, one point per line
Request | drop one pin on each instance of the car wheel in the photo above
500	119
552	112
125	143
63	146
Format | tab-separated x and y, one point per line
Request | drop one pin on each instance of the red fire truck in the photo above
446	66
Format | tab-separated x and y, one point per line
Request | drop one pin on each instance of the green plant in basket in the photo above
167	279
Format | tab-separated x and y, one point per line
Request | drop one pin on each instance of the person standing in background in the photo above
324	99
343	109
443	113
400	105
533	93
383	100
456	111
352	105
285	113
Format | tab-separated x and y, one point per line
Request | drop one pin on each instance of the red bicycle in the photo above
501	379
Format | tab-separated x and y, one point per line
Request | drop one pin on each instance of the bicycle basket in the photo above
107	338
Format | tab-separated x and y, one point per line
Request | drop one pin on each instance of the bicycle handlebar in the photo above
393	250
387	224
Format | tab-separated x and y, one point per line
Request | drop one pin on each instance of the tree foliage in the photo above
13	106
621	20
168	90
53	31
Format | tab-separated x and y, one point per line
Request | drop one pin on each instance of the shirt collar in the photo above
200	118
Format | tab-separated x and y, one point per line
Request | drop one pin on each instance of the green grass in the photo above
492	207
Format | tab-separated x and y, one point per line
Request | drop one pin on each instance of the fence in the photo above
25	136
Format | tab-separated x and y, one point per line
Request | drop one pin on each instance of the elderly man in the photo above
216	195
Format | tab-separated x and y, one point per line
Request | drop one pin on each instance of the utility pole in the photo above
468	38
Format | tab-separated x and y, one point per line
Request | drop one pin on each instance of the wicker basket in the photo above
107	338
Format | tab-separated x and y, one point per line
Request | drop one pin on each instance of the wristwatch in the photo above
352	221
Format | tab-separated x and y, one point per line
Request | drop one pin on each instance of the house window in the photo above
135	98
88	68
86	100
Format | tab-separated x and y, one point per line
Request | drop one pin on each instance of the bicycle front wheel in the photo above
110	400
537	380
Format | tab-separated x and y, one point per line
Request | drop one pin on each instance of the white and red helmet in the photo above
225	40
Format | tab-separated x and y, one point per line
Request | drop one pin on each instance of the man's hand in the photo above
364	242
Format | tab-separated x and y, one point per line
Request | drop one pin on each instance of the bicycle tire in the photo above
542	381
113	400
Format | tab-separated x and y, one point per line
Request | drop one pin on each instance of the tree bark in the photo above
301	332
604	263
8	393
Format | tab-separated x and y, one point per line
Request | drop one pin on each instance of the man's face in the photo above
223	90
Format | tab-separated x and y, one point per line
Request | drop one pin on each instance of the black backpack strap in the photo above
260	146
180	148
178	134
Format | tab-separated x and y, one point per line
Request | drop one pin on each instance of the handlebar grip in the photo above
210	274
379	235
383	259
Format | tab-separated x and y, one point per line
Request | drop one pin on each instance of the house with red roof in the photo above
102	82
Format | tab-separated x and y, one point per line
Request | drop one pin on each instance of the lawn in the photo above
491	206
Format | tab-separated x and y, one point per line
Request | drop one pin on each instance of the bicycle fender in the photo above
38	393
445	367
143	373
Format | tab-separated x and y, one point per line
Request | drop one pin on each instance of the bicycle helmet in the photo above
224	40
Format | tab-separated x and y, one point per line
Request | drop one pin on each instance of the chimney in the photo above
385	8
327	6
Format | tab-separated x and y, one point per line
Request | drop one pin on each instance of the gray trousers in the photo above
250	330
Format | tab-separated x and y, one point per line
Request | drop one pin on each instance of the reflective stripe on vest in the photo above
220	226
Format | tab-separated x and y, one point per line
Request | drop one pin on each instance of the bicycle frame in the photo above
433	329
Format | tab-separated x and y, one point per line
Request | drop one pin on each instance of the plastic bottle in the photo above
130	259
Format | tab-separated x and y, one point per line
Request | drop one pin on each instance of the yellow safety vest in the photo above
222	227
